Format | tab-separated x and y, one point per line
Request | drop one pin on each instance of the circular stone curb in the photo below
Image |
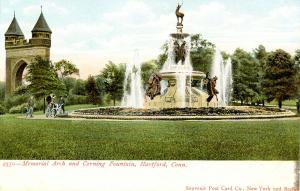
229	117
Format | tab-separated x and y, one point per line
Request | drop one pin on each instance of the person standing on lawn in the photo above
30	105
61	102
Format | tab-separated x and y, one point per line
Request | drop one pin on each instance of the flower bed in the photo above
205	111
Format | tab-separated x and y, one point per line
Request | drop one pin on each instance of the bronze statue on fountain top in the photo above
179	15
179	26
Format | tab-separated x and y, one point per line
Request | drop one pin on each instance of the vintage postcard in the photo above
137	95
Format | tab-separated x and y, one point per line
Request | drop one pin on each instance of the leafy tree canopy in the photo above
42	78
65	68
92	91
113	76
280	77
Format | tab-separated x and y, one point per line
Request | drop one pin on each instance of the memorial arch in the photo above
21	52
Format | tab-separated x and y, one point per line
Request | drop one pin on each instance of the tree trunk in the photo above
263	102
114	101
44	104
242	102
279	104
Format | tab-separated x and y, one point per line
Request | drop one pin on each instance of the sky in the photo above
92	32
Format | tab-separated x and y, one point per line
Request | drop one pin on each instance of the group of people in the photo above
50	104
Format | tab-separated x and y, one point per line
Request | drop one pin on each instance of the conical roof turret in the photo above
41	25
14	28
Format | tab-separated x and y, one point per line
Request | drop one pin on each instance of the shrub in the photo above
17	100
39	104
21	90
18	109
2	110
76	99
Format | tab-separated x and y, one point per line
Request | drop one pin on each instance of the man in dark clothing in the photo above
61	102
49	99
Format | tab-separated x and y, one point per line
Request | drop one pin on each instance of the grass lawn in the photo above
141	140
291	103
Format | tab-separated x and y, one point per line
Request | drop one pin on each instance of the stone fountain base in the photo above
181	92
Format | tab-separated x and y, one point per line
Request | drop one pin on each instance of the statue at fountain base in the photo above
181	93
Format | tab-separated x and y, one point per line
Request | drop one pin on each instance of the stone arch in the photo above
18	71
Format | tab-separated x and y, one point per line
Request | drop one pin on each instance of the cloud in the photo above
277	28
114	34
136	26
132	13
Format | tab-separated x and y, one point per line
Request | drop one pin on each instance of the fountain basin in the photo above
196	75
179	90
179	35
204	113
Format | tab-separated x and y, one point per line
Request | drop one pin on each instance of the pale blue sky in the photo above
91	32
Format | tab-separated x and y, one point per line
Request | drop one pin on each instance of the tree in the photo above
65	68
113	76
69	84
92	92
43	79
297	58
245	76
261	55
297	62
225	55
100	85
79	87
162	58
202	53
280	77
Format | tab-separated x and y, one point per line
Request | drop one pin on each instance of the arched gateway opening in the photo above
20	75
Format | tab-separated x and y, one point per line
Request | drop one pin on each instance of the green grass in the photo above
141	140
291	102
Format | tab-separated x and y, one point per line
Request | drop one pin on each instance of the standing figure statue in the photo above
179	15
211	87
153	86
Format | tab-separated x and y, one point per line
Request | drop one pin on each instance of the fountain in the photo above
177	93
133	95
223	71
181	86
